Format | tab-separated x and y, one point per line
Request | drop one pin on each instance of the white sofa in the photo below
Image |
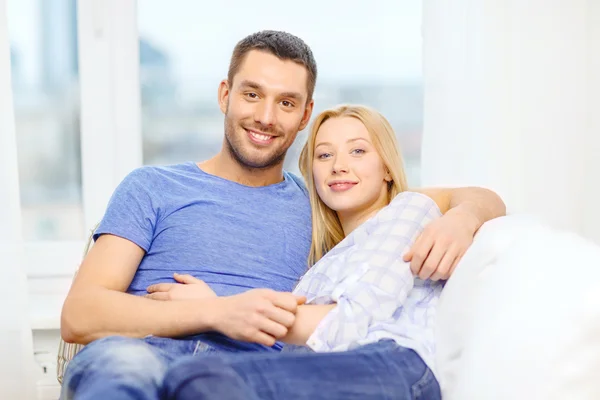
520	317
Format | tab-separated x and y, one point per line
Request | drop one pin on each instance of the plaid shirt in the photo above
376	293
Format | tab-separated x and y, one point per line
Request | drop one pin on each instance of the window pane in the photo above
45	85
373	59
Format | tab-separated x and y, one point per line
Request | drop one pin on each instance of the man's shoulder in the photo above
297	181
153	173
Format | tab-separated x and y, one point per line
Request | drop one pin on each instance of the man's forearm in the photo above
101	312
307	319
480	204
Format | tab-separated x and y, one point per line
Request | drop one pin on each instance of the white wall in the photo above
591	185
510	93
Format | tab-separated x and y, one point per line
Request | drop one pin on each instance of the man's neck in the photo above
227	168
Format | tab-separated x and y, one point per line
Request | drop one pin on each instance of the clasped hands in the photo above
259	315
265	316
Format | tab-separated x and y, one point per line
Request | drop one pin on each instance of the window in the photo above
364	55
45	93
159	106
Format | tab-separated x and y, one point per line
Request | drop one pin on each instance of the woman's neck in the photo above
351	220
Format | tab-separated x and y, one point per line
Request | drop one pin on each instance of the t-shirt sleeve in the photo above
131	212
300	182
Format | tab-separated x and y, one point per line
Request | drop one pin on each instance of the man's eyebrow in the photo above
291	95
250	84
253	85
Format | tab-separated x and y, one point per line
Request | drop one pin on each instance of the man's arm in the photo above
442	244
97	305
477	205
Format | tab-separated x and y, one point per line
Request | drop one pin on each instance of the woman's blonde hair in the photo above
326	227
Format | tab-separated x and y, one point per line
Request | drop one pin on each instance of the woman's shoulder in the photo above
412	203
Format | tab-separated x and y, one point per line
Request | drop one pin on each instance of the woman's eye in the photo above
323	156
358	151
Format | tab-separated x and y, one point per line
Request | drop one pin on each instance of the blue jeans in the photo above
379	371
118	367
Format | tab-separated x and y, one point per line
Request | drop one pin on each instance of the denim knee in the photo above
119	357
209	377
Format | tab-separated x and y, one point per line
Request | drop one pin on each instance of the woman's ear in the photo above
388	177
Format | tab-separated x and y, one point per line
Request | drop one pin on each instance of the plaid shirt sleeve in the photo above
374	280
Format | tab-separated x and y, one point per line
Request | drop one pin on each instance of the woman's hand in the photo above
187	288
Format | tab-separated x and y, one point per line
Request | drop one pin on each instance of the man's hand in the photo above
187	288
259	315
441	245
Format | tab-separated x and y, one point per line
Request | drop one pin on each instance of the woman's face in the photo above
349	175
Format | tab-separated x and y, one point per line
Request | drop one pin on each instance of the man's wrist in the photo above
469	215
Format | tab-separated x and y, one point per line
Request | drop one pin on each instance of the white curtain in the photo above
512	102
16	351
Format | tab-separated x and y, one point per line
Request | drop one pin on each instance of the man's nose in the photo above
265	114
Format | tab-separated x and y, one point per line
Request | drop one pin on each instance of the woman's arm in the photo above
367	282
307	319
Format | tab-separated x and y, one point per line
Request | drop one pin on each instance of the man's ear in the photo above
223	95
307	113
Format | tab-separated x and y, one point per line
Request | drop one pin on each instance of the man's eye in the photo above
287	103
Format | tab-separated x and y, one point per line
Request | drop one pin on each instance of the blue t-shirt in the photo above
233	237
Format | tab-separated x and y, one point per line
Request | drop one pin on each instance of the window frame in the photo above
111	142
111	138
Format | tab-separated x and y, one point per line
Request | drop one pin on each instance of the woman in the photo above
365	311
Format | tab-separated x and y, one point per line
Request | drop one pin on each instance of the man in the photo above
237	222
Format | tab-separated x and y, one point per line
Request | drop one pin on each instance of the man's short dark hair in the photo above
283	45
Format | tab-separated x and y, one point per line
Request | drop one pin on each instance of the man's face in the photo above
265	107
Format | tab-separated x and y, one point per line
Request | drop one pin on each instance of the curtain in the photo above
16	352
512	100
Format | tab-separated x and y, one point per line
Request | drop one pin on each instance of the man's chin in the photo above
258	162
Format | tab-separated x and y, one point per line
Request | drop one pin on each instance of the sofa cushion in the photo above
520	317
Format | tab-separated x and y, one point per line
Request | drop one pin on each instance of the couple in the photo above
358	323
